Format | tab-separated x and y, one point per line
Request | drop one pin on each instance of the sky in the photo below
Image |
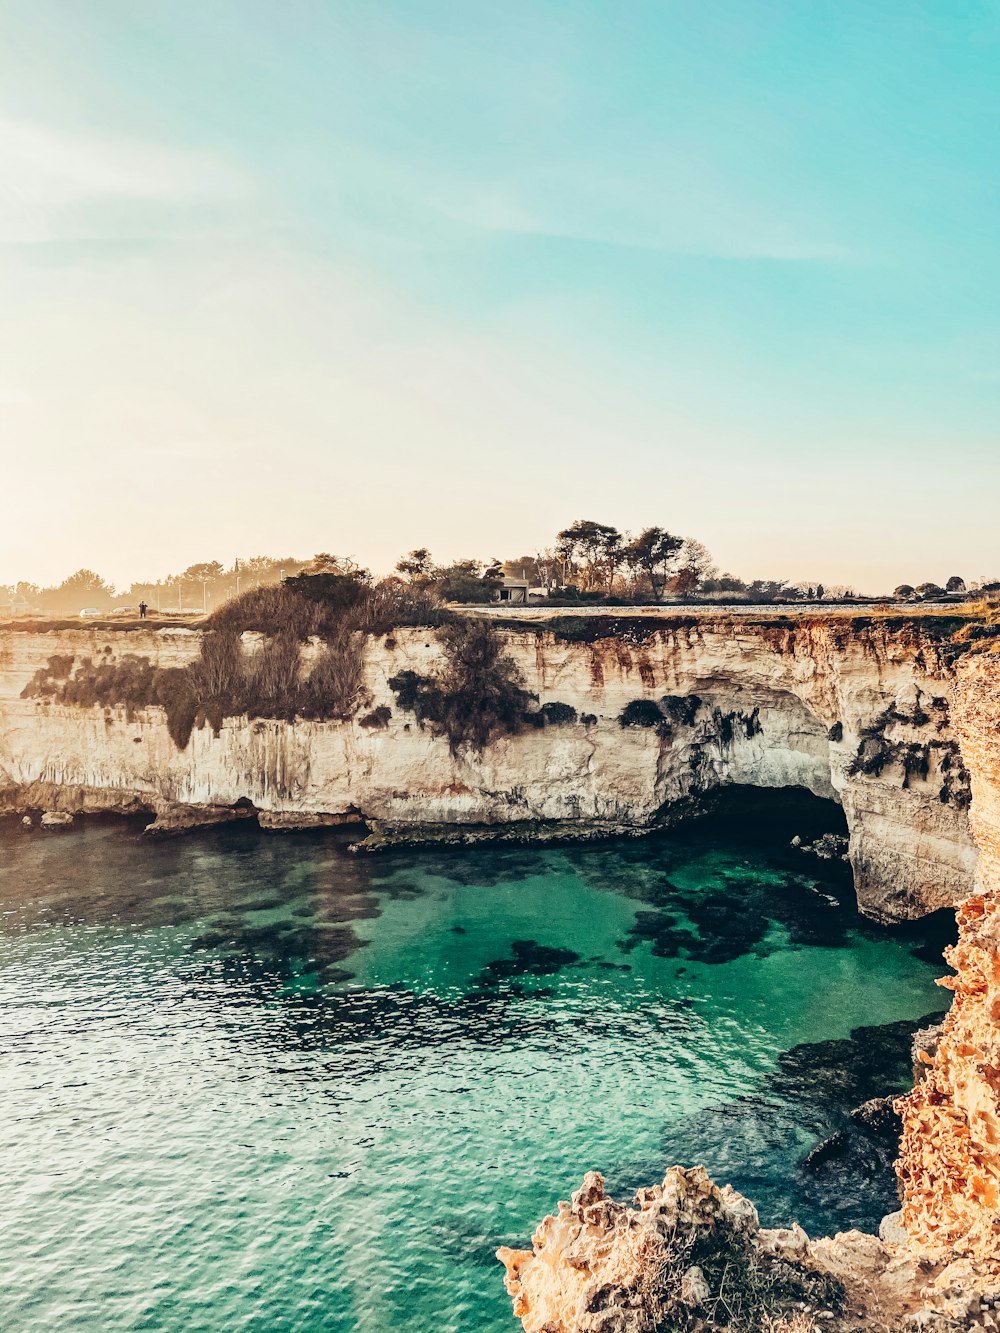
310	276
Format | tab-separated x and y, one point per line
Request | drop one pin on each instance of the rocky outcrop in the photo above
935	1265
950	1154
692	1258
857	711
600	1266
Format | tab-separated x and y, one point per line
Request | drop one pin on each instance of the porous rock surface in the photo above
950	1153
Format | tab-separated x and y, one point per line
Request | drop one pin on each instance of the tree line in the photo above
587	561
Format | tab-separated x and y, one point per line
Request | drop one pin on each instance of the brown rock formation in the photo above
687	1254
602	1266
949	1165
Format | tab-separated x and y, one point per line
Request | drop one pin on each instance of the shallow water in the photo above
251	1082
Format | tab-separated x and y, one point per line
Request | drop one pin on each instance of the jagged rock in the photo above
829	847
695	1290
685	1250
879	1116
924	1044
950	1152
891	1229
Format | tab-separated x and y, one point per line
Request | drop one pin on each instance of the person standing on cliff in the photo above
143	608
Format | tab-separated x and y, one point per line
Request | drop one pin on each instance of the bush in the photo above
336	592
333	687
681	709
556	713
377	719
640	713
478	694
272	611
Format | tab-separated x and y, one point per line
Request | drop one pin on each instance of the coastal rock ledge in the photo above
639	721
690	1257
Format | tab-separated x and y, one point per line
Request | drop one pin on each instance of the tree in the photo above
955	584
694	567
653	552
598	546
904	590
463	581
417	566
766	590
84	588
208	571
339	591
325	563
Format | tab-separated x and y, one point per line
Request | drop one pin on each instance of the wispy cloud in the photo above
670	205
54	181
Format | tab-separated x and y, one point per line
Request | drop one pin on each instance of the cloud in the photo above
671	202
59	183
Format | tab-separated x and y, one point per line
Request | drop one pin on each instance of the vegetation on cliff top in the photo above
586	562
271	681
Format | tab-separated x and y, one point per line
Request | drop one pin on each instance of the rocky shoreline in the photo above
691	1257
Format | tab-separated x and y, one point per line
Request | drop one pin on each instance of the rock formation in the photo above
599	1265
855	710
950	1154
692	1258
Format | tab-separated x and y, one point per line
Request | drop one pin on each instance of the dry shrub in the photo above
219	672
377	720
479	693
273	611
224	681
333	687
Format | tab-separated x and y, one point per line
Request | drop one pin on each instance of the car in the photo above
90	611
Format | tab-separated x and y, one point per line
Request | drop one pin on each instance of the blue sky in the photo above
357	277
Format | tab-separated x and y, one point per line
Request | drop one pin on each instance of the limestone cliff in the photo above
857	711
671	1260
950	1155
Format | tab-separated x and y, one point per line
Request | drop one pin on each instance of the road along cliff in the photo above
628	723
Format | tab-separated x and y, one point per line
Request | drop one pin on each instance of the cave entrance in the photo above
774	815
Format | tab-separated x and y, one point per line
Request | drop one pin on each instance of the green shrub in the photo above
479	692
640	713
555	713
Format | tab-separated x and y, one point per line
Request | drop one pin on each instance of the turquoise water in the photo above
251	1082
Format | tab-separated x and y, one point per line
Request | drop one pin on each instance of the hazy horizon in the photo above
360	277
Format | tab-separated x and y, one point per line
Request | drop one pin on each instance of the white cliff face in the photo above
781	705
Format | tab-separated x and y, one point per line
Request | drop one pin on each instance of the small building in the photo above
513	590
